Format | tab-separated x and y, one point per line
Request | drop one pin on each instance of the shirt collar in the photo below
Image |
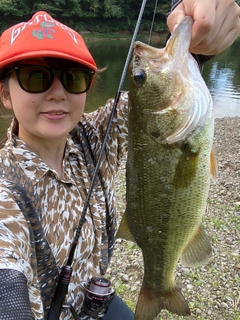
32	165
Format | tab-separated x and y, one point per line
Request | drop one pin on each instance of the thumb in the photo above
174	19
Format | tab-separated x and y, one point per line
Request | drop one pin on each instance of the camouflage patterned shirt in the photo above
40	211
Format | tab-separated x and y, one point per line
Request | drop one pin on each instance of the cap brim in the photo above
46	53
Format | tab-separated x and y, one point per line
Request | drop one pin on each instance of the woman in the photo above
49	158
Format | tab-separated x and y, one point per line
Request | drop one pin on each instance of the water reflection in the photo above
222	76
225	92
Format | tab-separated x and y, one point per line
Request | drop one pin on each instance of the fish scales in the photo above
168	169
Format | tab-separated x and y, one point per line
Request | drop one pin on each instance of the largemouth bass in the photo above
169	163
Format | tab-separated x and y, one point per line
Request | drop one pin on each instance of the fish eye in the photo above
139	77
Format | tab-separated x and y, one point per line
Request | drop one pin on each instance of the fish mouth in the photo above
175	50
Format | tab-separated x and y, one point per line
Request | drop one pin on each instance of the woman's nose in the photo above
57	90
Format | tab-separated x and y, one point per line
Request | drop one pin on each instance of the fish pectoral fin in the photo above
213	165
149	305
186	168
198	250
124	231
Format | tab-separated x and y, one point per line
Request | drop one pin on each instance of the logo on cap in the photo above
46	24
46	31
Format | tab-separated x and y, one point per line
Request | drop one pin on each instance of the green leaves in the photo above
92	15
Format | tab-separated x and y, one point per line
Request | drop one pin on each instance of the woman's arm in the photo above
14	299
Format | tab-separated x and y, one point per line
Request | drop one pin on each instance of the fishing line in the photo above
153	19
66	271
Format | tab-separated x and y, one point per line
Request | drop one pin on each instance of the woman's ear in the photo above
5	97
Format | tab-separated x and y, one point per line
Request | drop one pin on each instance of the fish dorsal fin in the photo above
213	165
198	250
124	231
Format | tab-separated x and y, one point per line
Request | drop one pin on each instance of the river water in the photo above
222	75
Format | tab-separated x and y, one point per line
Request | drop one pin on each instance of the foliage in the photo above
88	15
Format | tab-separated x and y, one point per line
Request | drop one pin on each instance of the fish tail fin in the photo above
149	305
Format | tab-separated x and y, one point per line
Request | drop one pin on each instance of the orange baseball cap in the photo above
43	36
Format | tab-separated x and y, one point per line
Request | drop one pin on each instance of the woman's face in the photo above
47	116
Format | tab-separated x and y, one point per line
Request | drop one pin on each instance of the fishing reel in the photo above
99	295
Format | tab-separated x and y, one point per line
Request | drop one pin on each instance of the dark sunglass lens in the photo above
76	80
34	79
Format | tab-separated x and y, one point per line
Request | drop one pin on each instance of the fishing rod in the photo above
66	271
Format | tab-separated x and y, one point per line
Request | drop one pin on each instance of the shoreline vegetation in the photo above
124	35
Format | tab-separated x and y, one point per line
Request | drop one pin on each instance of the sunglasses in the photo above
38	79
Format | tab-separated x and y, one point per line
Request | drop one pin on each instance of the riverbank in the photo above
123	35
213	291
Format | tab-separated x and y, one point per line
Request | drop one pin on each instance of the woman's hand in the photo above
216	24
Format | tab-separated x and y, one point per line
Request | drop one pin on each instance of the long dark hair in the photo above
5	115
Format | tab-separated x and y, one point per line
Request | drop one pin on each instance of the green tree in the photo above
92	15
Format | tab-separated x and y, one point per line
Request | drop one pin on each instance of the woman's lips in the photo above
54	115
